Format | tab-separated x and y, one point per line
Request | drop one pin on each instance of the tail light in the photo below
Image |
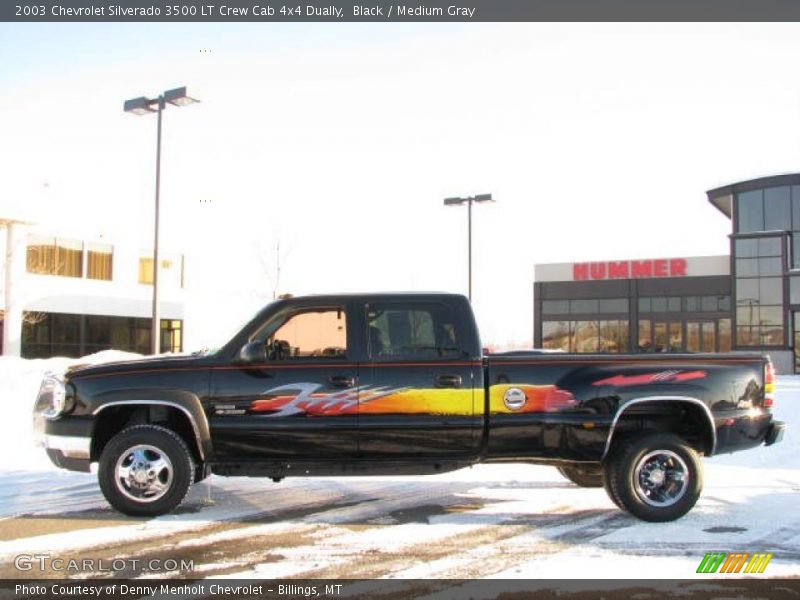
769	384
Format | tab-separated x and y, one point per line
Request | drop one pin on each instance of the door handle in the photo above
448	381
343	381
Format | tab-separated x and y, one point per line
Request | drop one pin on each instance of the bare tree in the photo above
272	263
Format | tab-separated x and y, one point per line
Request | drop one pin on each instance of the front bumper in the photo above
68	452
775	433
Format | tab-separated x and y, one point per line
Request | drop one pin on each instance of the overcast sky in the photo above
340	141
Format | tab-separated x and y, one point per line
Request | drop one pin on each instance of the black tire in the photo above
588	476
656	477
610	491
156	454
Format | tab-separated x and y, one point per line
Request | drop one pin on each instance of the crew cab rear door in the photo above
417	394
298	403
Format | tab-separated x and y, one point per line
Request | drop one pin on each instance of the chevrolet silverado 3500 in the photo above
397	384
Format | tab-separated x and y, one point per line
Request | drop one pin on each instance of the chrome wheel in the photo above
661	478
143	473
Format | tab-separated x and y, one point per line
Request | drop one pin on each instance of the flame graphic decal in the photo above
671	375
305	398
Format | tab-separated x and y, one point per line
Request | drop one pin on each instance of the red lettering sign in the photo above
598	270
677	267
618	270
580	272
630	269
641	268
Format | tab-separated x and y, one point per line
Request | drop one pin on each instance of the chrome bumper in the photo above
69	446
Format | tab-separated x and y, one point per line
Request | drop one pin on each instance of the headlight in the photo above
53	386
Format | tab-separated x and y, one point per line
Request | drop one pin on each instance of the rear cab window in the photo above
412	331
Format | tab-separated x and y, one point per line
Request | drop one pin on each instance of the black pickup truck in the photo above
397	384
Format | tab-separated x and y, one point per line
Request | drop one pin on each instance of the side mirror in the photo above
253	353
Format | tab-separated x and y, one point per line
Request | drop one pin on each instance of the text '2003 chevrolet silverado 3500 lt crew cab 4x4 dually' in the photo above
397	384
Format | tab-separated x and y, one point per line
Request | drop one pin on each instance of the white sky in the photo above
598	141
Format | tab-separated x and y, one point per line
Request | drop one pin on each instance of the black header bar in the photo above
238	11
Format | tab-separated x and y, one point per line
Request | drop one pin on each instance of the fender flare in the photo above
187	403
685	399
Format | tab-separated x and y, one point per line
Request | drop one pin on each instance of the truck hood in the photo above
154	363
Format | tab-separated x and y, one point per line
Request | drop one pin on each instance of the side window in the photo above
410	331
310	334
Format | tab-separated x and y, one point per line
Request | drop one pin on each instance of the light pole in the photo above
468	201
143	106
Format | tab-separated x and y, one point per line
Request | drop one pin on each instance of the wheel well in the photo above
110	421
683	418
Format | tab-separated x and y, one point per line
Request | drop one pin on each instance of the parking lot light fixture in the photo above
142	106
469	200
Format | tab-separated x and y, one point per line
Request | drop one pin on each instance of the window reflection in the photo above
759	286
586	336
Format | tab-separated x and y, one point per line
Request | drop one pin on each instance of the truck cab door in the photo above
295	397
418	386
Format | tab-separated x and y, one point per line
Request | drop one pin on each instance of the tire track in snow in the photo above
223	542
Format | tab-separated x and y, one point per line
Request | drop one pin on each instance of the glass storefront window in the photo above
556	335
747	248
60	334
614	305
54	256
693	336
724	335
555	307
675	337
795	249
586	336
794	290
707	337
69	258
645	341
660	304
769	246
41	255
613	336
770	290
758	267
584	306
777	210
709	304
99	261
750	211
146	270
747	267
578	307
796	207
759	286
660	343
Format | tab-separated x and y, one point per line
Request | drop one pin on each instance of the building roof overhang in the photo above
722	197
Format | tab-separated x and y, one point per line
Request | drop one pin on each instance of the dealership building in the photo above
67	295
748	300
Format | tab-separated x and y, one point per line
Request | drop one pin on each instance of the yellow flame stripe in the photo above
462	402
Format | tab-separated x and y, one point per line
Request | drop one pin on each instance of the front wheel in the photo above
655	476
145	470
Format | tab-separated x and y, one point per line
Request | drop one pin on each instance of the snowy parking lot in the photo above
490	521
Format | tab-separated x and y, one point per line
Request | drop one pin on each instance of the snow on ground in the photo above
490	521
